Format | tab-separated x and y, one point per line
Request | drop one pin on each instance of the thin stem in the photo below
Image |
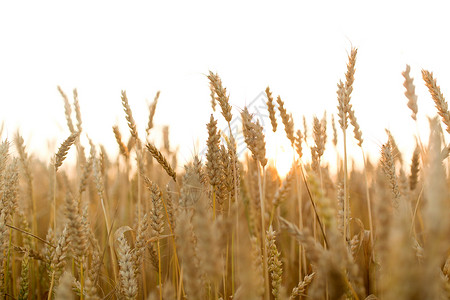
416	209
108	231
232	265
300	220
263	232
7	265
313	205
177	264
54	200
224	274
139	196
235	233
50	290
81	280
159	270
30	234
346	204
214	203
369	204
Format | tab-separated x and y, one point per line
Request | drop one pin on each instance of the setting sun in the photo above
280	153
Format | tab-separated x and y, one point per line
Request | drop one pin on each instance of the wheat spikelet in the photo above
90	290
438	97
122	147
152	109
319	135
394	148
221	95
166	142
274	263
300	289
254	137
191	190
415	168
58	261
24	278
141	242
129	117
271	109
213	96
227	185
96	261
87	169
63	149
387	161
287	121
4	154
305	129
349	76
345	90
410	92
162	161
233	167
157	212
214	167
343	105
127	271
298	143
76	105
76	232
24	160
356	130
9	190
333	125
67	110
340	201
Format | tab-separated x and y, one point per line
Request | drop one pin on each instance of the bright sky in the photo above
298	48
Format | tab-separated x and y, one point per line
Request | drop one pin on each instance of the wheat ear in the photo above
271	109
67	110
162	161
438	97
63	149
410	92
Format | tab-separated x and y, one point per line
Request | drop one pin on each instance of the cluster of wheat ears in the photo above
132	228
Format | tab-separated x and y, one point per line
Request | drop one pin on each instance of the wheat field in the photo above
136	227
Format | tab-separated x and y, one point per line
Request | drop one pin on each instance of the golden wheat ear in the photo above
162	161
63	149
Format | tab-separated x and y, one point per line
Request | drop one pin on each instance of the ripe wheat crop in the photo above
136	227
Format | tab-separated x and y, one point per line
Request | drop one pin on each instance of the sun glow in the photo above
280	154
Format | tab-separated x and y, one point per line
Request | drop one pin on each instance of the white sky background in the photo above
299	49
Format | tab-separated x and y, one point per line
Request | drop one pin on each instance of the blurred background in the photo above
299	49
